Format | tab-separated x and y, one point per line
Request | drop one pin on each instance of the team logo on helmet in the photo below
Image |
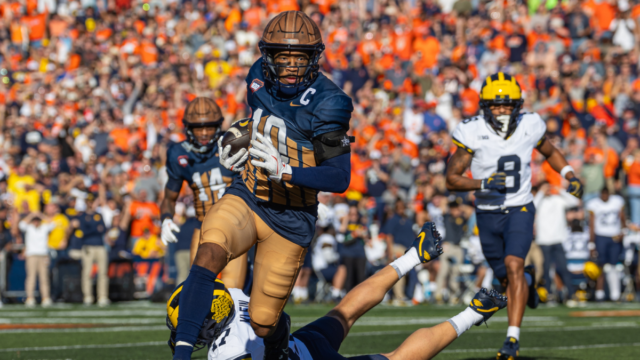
501	89
220	315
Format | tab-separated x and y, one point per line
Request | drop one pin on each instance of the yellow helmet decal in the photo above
173	306
500	86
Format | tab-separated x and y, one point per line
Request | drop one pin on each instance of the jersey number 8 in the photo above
511	165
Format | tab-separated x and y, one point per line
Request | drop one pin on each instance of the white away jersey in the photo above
576	250
238	341
607	220
492	153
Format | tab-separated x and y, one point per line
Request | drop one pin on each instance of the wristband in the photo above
565	170
166	216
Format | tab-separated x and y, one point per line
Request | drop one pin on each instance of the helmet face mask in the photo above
291	33
501	90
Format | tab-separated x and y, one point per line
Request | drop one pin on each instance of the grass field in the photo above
137	331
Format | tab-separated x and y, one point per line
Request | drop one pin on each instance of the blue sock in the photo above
527	277
195	302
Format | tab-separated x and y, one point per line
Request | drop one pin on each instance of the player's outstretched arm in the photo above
560	164
167	209
457	165
428	342
370	293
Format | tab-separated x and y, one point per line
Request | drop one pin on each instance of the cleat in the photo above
428	244
278	349
487	303
510	350
534	298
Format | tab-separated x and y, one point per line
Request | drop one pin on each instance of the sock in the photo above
183	351
335	292
599	294
304	293
465	320
614	284
487	282
514	332
406	262
529	279
296	293
195	302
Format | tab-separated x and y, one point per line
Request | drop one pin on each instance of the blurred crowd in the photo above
92	92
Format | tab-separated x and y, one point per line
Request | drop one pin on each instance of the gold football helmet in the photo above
501	89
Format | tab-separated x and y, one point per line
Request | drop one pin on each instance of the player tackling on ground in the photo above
231	337
299	146
498	145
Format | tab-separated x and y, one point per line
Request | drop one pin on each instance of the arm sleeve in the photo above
569	200
460	140
332	114
174	182
333	175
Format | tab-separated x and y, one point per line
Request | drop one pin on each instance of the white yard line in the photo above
140	321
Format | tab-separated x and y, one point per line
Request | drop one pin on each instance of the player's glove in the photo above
323	213
575	187
167	235
497	181
271	160
233	163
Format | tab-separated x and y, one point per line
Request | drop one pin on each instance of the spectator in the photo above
326	262
399	234
148	246
453	255
606	219
351	236
631	165
36	234
92	231
183	246
551	231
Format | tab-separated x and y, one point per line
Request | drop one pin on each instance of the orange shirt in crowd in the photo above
143	214
358	173
470	100
430	48
36	25
254	16
633	172
612	159
402	46
121	138
148	52
552	177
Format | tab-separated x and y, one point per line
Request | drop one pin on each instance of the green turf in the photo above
136	331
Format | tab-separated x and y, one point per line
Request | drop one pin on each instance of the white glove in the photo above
168	227
323	213
234	163
272	161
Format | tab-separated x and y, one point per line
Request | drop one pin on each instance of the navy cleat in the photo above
510	349
534	298
278	349
428	243
487	303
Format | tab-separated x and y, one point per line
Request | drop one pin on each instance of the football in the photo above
238	136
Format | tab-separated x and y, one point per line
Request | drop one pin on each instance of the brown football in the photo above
238	136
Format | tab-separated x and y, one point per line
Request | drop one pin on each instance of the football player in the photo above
231	337
498	145
299	147
196	161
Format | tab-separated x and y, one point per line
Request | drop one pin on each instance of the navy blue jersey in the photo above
289	209
206	177
92	229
